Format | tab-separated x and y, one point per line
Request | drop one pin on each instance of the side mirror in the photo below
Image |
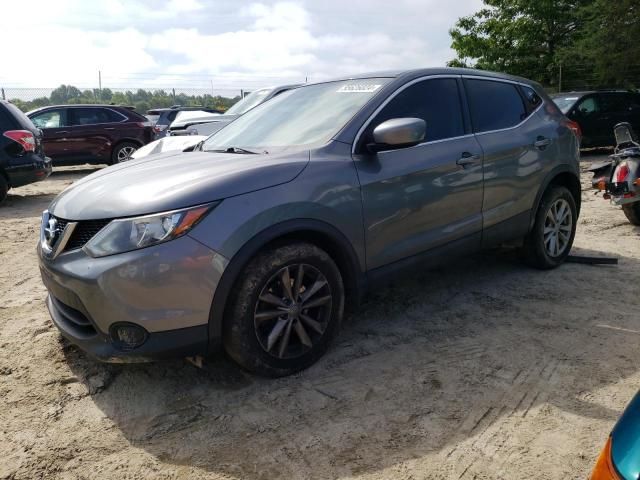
398	133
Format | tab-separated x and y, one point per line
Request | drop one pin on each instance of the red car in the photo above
76	134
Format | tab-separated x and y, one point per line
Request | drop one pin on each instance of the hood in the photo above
168	144
169	181
625	441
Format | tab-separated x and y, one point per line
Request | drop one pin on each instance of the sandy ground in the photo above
482	369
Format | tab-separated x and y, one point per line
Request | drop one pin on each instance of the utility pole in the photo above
560	79
100	83
3	97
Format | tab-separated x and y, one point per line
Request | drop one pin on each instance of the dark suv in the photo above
91	133
597	112
22	160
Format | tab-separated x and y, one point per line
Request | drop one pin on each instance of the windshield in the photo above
248	102
565	103
302	116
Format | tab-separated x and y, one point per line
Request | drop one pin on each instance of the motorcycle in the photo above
619	178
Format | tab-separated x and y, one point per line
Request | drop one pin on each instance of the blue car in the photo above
620	457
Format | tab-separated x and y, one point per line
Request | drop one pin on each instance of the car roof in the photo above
422	72
82	105
582	93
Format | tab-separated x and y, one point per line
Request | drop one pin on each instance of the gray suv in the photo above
255	242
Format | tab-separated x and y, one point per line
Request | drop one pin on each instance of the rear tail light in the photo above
622	173
575	128
160	128
25	138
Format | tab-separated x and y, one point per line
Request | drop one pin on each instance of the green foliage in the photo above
521	37
142	100
609	43
585	44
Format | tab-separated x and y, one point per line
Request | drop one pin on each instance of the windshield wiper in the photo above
233	150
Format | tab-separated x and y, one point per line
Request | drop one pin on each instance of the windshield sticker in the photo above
358	88
570	98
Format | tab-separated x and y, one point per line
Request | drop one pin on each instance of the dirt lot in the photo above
485	369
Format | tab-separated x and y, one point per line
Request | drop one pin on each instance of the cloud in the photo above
232	44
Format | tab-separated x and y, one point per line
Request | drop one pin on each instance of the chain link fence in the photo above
143	99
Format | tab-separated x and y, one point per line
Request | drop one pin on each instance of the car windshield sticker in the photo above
358	88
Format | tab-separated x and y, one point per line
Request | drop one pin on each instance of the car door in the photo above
55	133
90	134
615	109
425	196
518	144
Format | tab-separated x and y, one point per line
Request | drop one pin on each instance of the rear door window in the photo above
436	101
494	105
89	116
112	116
614	102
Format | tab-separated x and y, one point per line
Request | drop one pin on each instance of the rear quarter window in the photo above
6	122
18	116
532	99
494	105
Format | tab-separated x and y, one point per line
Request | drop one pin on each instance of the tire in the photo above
254	334
632	211
539	249
122	151
4	188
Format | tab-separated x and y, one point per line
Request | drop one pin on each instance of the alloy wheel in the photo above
125	153
293	311
558	225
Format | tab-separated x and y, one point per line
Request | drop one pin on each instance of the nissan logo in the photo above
50	232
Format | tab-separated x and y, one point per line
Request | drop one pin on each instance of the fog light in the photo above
127	336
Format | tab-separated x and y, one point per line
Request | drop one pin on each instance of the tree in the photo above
607	51
521	37
142	100
64	93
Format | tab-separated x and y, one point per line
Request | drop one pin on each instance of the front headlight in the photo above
133	233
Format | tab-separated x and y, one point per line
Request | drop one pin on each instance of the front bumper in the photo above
166	289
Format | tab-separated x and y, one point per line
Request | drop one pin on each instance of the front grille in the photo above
85	230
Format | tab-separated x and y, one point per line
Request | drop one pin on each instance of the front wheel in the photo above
549	242
285	309
632	211
122	152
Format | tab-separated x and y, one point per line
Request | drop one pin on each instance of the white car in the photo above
190	128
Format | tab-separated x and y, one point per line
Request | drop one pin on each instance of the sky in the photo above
219	44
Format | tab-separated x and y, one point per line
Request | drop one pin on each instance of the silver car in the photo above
255	242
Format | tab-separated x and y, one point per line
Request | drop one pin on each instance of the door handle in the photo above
542	143
63	131
467	159
109	128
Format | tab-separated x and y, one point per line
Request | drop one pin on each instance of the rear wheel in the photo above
285	309
122	152
549	242
632	211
